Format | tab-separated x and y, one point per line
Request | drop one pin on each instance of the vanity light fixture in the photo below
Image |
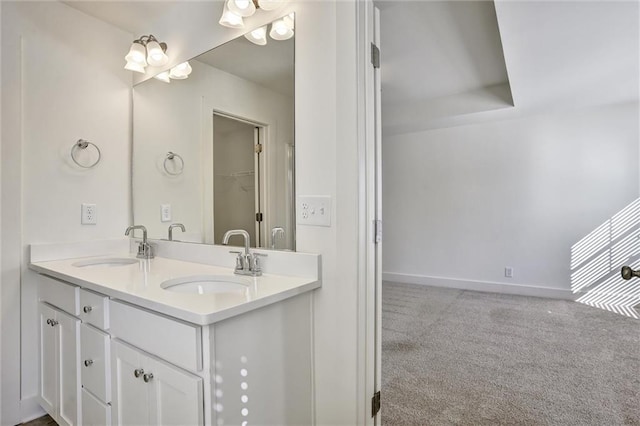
235	11
180	71
258	36
146	50
163	76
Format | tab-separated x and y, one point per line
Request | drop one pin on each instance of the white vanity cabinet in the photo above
59	364
152	392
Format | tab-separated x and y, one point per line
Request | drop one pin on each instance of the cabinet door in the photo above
130	399
68	329
48	394
176	394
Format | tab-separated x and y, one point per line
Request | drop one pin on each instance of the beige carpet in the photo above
452	357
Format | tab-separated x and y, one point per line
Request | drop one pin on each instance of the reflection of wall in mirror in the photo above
178	117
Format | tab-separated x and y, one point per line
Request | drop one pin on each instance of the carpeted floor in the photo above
452	357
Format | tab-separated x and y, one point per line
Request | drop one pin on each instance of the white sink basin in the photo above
109	262
206	284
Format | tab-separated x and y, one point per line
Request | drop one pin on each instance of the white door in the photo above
48	361
130	401
177	396
68	330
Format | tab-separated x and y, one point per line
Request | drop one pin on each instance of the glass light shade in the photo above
258	36
155	55
270	4
134	66
180	71
242	8
163	76
230	19
289	20
137	54
280	30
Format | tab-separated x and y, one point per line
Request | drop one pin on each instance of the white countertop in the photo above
139	284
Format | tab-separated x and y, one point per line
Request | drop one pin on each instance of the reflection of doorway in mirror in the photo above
237	162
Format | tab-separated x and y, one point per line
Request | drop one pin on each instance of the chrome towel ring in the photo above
172	156
83	144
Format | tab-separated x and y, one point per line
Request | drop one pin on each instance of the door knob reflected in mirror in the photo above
628	273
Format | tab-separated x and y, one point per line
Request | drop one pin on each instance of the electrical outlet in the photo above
89	214
165	212
508	272
314	210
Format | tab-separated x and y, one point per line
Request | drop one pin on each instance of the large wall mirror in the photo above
215	151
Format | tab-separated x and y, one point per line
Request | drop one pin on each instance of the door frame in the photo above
262	186
369	213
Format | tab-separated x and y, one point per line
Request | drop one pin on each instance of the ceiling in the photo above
447	63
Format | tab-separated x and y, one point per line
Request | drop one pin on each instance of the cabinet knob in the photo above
87	309
49	321
147	377
53	323
88	362
138	372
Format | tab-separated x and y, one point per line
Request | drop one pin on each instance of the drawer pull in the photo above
138	372
147	377
88	362
53	323
87	309
48	321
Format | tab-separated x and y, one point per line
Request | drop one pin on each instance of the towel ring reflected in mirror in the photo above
81	145
171	156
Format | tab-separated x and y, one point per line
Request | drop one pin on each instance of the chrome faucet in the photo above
144	248
246	263
175	225
278	230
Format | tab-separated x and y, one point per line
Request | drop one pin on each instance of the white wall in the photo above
62	80
461	203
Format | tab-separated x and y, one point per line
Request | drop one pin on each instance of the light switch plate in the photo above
314	210
165	212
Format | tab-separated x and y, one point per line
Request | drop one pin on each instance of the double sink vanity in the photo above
176	339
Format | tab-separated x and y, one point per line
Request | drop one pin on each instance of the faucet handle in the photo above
255	262
239	259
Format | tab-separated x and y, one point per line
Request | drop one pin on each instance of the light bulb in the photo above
258	36
243	8
163	76
180	71
230	19
155	55
280	30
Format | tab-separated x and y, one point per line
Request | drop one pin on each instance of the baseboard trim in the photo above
483	286
30	409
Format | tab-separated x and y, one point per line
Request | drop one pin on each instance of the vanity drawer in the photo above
94	411
171	339
60	294
95	350
94	309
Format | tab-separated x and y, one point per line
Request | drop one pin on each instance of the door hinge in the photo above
375	56
258	217
258	148
377	231
375	404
